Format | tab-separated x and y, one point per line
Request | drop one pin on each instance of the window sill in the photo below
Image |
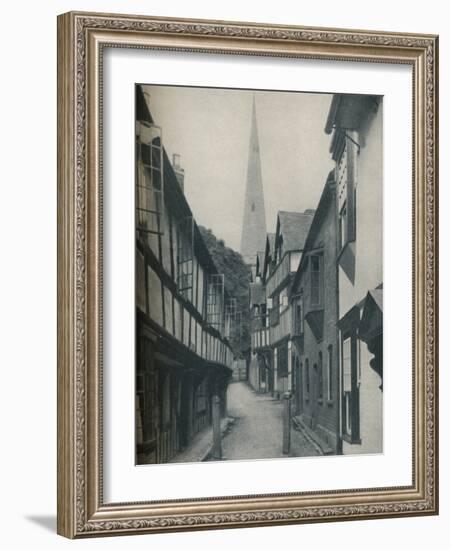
320	401
330	402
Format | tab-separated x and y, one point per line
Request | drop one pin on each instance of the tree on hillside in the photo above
237	279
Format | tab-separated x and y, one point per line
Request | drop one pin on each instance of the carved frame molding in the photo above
81	39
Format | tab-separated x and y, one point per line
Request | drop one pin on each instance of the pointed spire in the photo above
254	220
254	141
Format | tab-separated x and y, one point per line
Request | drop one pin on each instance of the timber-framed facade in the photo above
183	357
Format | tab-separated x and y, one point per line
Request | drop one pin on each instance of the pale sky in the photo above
210	129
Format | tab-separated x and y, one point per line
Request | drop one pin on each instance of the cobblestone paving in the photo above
257	432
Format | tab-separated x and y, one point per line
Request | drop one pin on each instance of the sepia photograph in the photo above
258	274
247	274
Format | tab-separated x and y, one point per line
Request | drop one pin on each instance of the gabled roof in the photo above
260	256
270	241
270	246
259	263
316	220
371	323
294	227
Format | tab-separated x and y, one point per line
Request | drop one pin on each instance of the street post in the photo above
217	438
286	423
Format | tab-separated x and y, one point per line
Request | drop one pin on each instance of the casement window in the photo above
264	316
215	301
298	316
185	257
320	376
346	185
316	271
330	373
350	388
275	311
150	179
230	317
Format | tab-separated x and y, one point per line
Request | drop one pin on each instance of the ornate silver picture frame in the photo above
83	510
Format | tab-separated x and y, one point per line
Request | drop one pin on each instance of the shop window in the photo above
346	180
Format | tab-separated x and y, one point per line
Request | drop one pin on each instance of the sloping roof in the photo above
371	324
172	190
271	239
318	216
259	262
294	227
261	258
377	295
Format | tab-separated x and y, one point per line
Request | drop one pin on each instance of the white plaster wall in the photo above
369	208
371	411
368	274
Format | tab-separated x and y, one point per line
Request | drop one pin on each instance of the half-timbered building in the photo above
261	360
272	312
182	355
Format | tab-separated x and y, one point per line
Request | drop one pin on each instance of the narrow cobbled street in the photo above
257	430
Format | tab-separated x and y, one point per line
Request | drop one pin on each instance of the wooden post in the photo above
217	437
286	423
190	410
275	374
225	401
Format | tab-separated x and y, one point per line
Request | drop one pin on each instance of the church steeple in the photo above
254	220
